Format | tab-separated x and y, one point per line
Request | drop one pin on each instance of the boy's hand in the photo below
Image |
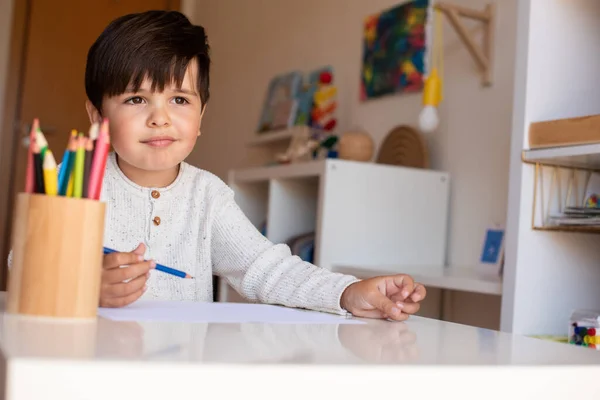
394	297
114	291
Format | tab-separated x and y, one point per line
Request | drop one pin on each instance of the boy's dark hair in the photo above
154	44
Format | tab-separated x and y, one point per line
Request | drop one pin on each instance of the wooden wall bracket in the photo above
482	55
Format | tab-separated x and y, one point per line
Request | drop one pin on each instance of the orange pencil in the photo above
99	162
30	177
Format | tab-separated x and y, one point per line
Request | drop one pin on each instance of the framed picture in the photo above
492	252
394	50
281	103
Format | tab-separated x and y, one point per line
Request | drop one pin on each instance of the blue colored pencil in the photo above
67	165
63	175
159	267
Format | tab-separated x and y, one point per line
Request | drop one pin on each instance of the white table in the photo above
43	359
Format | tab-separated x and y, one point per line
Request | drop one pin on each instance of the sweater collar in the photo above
114	172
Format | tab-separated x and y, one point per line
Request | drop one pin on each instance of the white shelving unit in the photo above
549	273
361	213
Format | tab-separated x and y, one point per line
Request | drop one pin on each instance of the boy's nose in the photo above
159	118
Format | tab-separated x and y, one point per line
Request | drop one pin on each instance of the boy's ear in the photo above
201	116
93	113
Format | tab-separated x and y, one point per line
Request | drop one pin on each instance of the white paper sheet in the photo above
197	312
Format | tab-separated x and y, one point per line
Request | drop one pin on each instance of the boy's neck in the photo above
145	178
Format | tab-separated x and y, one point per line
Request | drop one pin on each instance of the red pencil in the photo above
30	177
99	162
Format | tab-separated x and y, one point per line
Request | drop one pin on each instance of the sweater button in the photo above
155	194
156	221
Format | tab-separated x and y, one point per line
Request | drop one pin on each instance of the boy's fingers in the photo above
387	307
140	250
132	271
122	301
115	260
419	293
408	308
125	289
405	282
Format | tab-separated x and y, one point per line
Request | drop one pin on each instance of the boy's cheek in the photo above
126	127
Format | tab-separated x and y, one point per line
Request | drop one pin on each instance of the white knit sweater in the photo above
202	231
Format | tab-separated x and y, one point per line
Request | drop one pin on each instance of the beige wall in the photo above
254	40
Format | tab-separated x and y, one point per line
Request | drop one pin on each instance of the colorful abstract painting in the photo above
394	50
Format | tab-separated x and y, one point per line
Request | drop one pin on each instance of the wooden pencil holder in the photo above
57	256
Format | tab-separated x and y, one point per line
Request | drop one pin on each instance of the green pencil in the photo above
42	142
78	170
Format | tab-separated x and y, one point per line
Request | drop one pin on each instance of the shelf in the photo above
299	170
581	161
569	228
585	156
466	279
317	168
278	136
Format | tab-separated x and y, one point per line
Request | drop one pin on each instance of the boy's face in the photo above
155	131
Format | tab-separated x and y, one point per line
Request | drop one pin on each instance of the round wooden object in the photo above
356	146
404	146
57	257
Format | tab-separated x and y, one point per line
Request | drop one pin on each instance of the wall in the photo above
557	68
252	41
5	28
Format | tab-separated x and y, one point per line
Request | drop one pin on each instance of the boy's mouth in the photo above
159	141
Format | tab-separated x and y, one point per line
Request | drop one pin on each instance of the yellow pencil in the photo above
50	174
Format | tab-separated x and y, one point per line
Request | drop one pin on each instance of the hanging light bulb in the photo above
432	96
432	90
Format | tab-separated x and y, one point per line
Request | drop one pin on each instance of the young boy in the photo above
148	74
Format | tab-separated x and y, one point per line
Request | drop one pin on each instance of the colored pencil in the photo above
63	168
66	168
42	142
99	162
82	168
39	169
89	151
30	175
159	267
79	166
50	175
70	183
93	134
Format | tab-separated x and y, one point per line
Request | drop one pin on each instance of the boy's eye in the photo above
134	100
180	100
